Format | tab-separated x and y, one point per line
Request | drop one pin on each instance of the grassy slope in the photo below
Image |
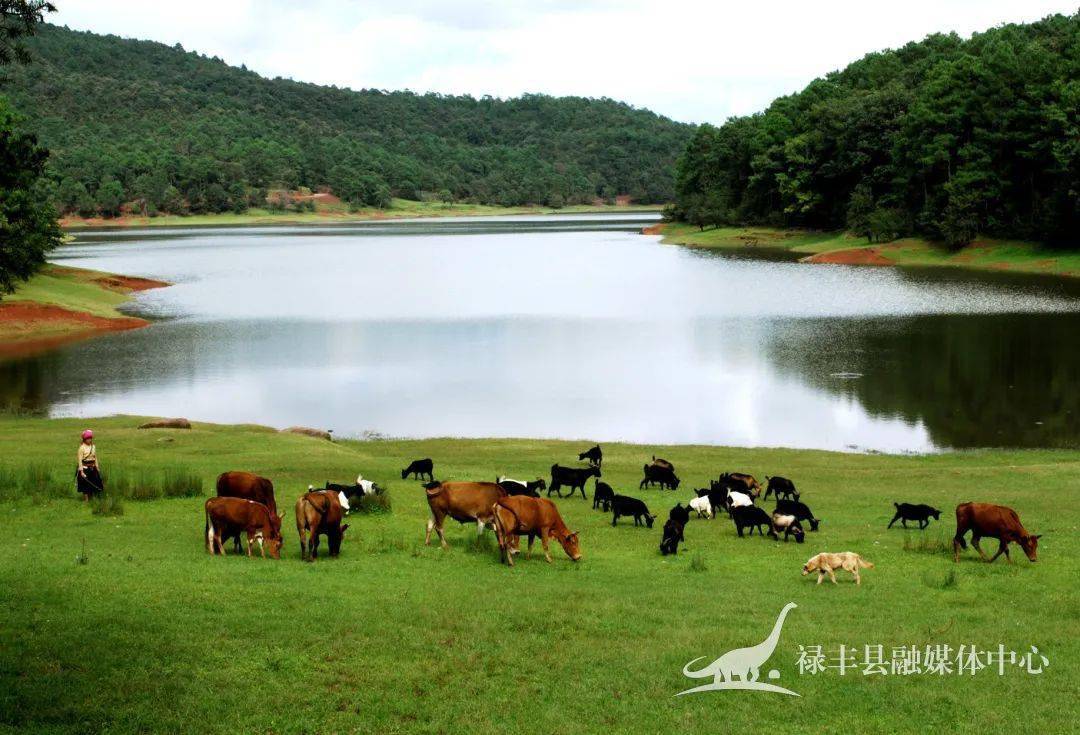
154	635
73	290
337	212
1025	257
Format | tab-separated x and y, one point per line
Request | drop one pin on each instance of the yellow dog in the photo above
826	563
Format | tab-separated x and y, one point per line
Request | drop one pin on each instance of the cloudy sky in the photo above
693	61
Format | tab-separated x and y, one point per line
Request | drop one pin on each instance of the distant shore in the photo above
330	210
839	248
62	304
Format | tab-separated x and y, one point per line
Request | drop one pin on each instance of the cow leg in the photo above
427	533
528	552
1003	548
248	544
262	550
313	544
544	542
975	542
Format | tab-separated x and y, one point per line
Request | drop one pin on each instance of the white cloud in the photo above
693	61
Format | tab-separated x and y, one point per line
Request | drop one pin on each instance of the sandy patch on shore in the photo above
851	256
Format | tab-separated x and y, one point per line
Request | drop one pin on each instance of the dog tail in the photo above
865	564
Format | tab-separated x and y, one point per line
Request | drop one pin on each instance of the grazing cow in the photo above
531	488
602	496
679	514
532	517
465	502
995	521
572	477
418	468
750	516
248	486
229	517
319	513
908	512
622	505
789	524
664	475
673	534
781	487
801	512
702	506
594	455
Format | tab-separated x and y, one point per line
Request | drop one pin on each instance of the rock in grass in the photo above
167	424
306	431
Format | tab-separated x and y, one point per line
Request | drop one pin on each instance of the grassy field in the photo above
125	624
66	303
338	212
836	247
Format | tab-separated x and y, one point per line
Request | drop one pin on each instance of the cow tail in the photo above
208	530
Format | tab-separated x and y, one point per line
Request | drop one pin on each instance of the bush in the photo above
886	224
177	482
107	505
373	503
39	479
697	563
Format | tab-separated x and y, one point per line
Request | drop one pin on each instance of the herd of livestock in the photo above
245	505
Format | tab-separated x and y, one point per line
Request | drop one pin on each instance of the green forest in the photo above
167	130
946	138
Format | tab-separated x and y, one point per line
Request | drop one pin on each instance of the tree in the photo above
28	228
110	197
18	18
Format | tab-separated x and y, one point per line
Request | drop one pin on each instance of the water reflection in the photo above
588	331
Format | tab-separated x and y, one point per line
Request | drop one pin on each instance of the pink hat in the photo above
88	434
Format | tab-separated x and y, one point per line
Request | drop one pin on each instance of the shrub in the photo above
177	482
107	505
697	563
373	503
39	479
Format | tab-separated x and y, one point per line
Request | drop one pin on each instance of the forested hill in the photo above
946	137
130	120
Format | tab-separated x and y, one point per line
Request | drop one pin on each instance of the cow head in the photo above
570	545
1030	545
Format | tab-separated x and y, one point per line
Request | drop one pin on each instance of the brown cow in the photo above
319	512
227	517
521	515
464	502
249	486
995	521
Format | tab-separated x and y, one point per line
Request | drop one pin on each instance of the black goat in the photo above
418	468
673	534
594	455
622	505
909	512
800	510
602	496
751	516
573	477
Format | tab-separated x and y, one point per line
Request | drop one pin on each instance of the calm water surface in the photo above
569	326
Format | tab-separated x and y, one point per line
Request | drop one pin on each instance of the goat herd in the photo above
245	504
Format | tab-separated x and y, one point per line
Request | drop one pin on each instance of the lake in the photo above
571	326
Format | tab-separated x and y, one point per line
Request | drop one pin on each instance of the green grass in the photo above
984	254
336	212
125	624
72	289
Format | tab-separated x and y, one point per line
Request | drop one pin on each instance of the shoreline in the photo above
837	248
336	214
61	304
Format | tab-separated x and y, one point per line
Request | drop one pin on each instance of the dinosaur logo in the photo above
739	669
